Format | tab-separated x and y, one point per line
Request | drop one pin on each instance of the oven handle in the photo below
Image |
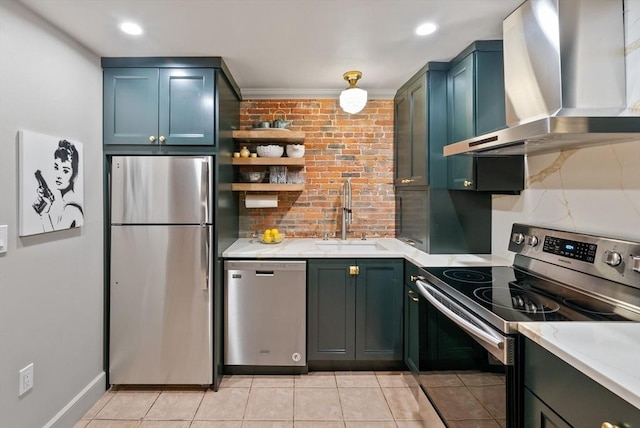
485	334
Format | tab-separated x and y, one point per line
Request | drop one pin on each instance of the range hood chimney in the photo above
564	69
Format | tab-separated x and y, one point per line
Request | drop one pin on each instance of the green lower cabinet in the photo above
539	415
354	309
566	397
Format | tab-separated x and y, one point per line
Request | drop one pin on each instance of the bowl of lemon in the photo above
271	236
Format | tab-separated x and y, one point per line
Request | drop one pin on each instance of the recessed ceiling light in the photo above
131	28
426	29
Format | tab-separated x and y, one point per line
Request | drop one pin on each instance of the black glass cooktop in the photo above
515	295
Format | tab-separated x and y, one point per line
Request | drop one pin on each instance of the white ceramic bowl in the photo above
270	151
295	150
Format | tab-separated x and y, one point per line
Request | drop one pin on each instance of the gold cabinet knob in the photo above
467	183
162	139
152	138
354	270
608	425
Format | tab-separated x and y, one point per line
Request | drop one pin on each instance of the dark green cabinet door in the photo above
379	310
130	105
461	105
331	310
354	317
419	161
539	415
186	106
402	113
411	326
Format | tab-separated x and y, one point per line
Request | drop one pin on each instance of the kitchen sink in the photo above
349	246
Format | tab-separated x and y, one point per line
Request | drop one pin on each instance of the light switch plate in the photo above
4	238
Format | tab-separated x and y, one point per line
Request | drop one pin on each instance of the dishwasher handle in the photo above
265	273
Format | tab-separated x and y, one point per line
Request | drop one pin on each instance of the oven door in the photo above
467	369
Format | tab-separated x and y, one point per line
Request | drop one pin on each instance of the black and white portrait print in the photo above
51	184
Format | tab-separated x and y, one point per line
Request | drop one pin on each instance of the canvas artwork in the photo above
51	184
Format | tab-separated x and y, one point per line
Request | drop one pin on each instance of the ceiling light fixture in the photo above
426	29
353	99
131	28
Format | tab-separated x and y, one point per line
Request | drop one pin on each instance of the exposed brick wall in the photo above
337	146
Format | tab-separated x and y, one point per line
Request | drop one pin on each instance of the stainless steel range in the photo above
470	357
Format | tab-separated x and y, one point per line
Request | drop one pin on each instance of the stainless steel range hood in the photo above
565	87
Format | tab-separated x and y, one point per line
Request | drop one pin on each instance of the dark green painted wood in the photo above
418	107
402	111
214	62
437	126
227	118
461	100
186	106
574	396
177	104
331	310
379	301
489	114
130	105
354	317
419	161
539	415
411	319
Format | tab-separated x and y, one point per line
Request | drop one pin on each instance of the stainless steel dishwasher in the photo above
265	313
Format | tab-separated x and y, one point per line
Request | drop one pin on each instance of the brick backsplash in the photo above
337	146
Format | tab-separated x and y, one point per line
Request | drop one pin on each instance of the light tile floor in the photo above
317	399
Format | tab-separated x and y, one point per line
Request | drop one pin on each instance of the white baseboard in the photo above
70	414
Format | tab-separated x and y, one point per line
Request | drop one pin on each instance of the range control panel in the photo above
611	258
582	251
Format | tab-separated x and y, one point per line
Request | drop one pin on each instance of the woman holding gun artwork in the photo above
58	208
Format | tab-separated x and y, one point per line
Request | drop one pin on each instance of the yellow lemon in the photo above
277	237
267	238
274	231
267	232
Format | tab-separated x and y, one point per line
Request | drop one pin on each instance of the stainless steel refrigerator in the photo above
161	270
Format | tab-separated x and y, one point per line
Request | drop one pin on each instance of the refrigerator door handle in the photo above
205	254
204	192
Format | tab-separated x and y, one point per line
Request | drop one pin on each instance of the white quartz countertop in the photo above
309	248
607	352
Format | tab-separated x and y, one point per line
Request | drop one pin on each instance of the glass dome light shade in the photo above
353	100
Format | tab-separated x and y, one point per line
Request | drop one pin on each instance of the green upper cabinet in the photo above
355	309
163	101
475	91
475	106
158	106
420	124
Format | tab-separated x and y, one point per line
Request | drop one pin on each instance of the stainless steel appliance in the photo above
265	313
161	270
553	53
470	361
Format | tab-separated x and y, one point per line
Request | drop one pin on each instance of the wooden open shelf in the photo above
269	135
268	161
266	187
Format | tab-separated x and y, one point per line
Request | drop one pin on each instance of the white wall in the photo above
51	285
592	190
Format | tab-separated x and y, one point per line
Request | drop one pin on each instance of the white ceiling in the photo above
286	48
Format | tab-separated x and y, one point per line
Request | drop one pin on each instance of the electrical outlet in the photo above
26	379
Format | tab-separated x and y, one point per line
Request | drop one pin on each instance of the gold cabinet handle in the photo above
354	270
413	297
406	180
162	139
152	138
467	183
414	278
608	425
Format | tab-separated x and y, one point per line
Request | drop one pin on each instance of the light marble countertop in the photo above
386	248
607	352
